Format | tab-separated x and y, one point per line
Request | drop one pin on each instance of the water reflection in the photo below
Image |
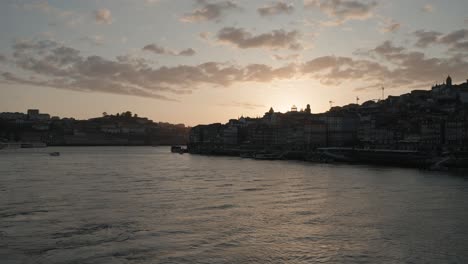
146	205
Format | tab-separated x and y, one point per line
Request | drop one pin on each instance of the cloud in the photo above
455	37
204	35
96	40
207	11
394	66
411	68
276	39
426	38
455	41
154	48
390	26
285	57
428	8
343	10
332	70
50	64
3	58
275	9
103	16
187	52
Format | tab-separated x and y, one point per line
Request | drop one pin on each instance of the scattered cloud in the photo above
187	52
285	57
50	64
96	40
390	26
103	16
208	11
276	39
408	69
455	41
332	70
154	48
275	9
343	10
412	68
428	8
426	38
204	35
134	60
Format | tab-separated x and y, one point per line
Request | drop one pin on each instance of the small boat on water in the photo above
247	155
267	156
54	154
176	149
179	149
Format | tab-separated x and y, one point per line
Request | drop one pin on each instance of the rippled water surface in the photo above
146	205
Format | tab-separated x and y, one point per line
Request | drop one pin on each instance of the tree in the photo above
104	114
127	114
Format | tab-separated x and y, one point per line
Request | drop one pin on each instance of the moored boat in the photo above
179	149
267	156
378	156
175	149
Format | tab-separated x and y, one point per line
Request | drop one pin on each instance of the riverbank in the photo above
397	158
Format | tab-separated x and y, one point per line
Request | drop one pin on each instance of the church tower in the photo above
449	81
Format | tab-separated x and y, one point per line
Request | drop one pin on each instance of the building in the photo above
34	114
12	116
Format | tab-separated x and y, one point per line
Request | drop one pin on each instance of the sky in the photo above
206	61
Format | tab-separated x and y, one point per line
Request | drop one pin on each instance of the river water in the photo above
147	205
